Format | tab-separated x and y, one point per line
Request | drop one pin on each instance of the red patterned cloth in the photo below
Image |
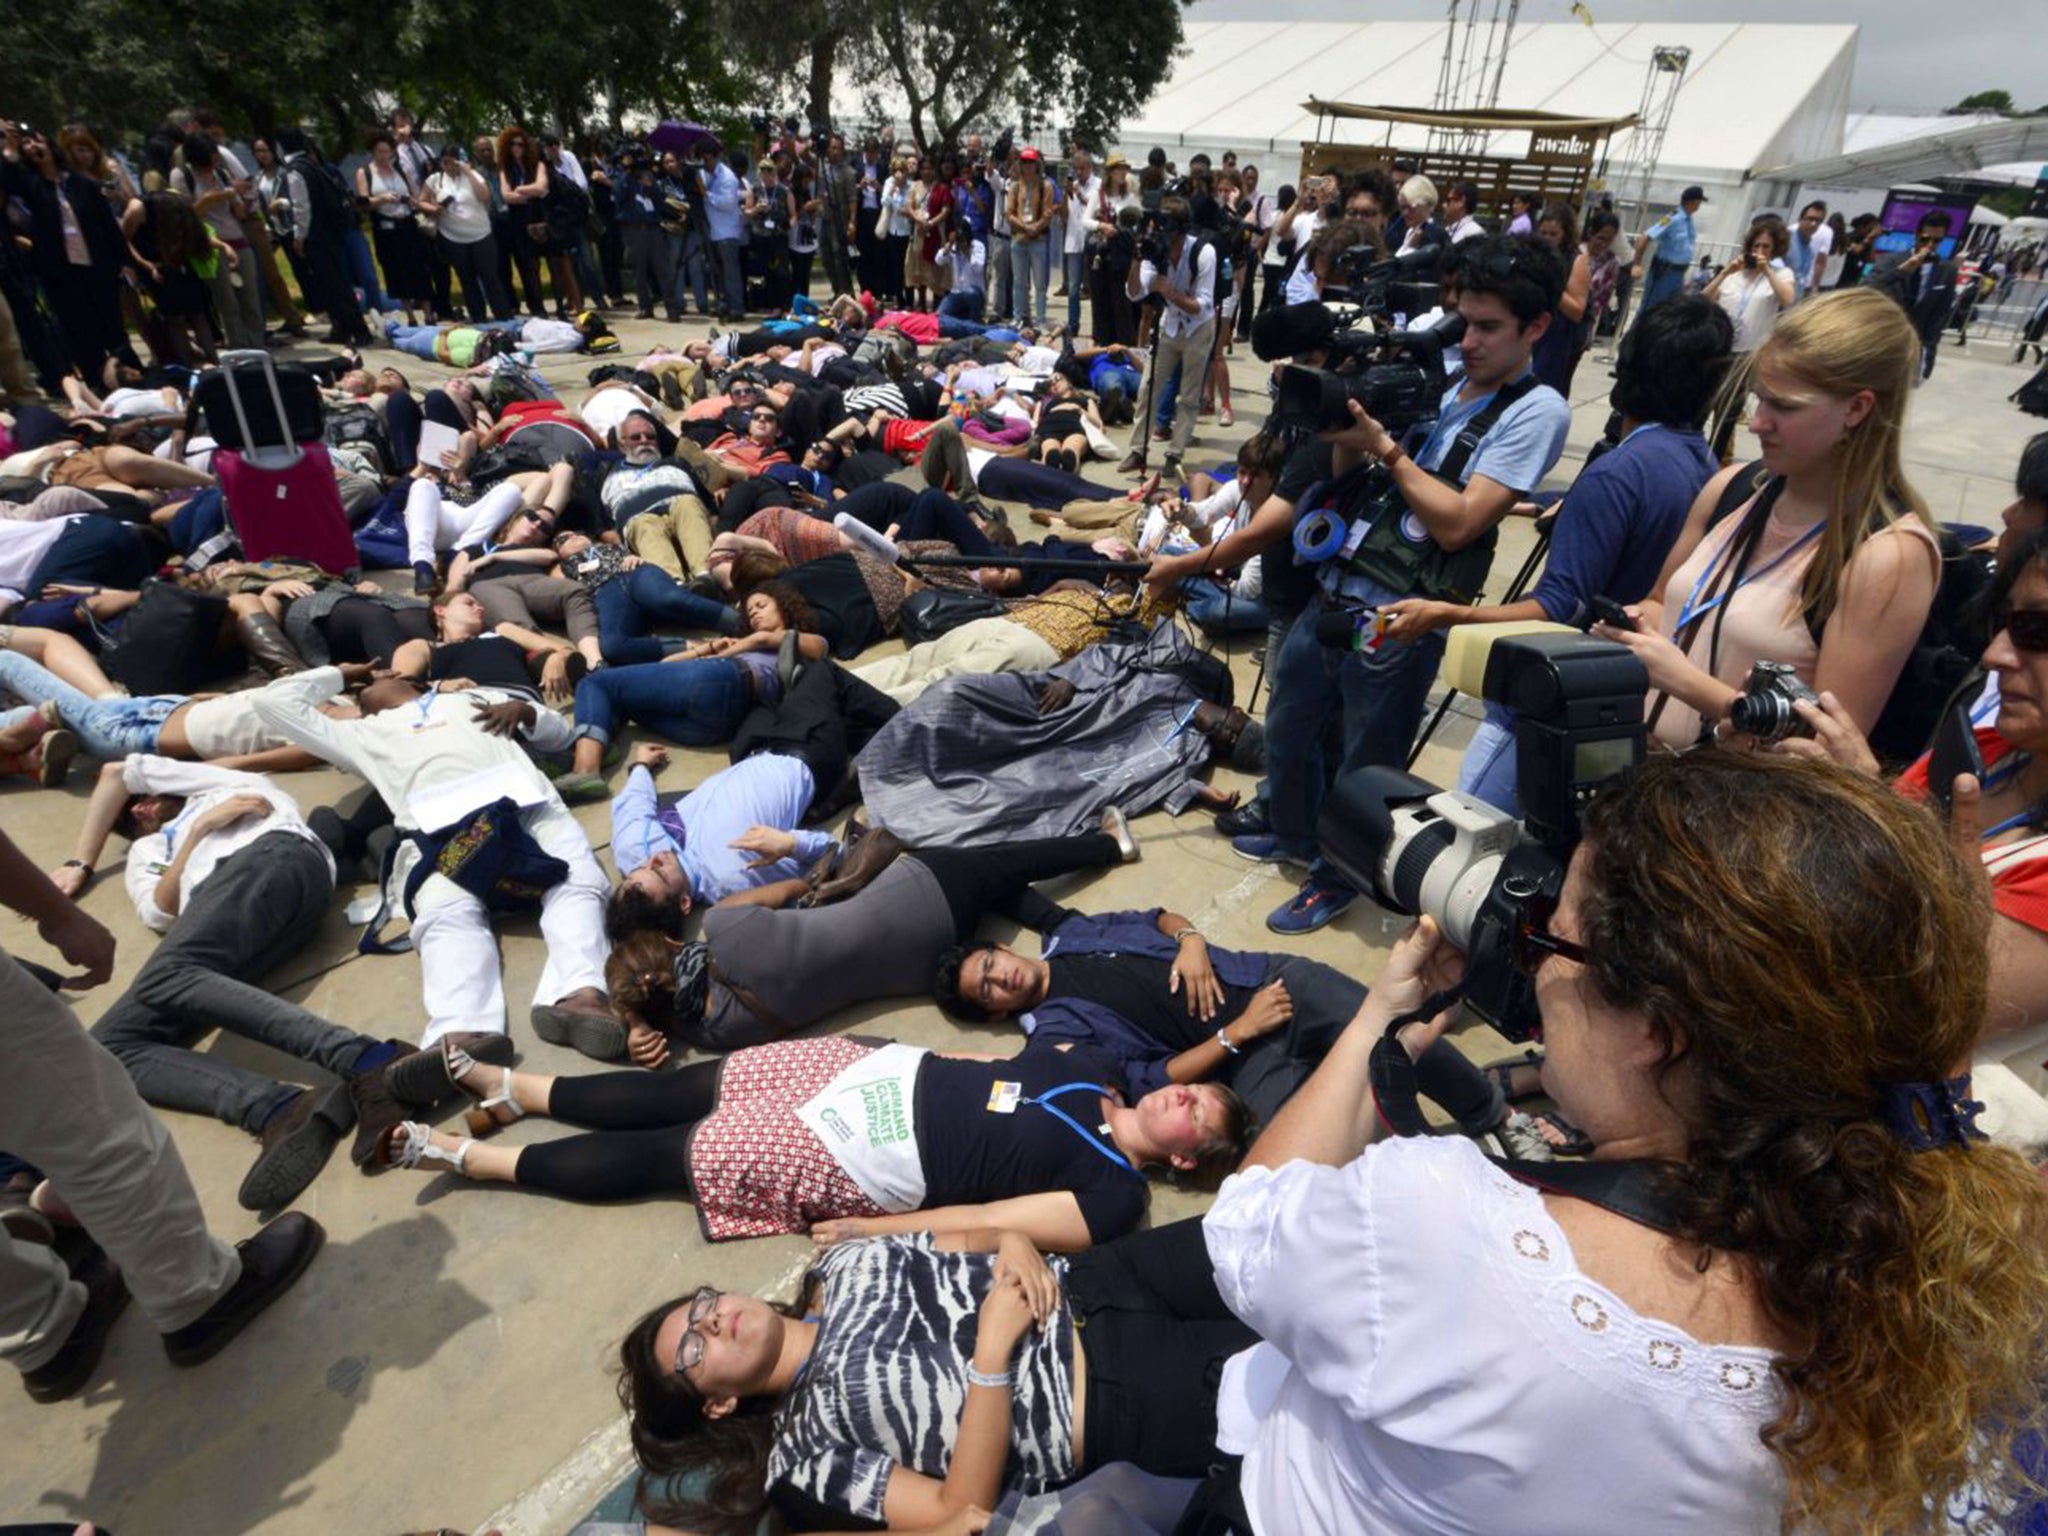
759	1170
797	536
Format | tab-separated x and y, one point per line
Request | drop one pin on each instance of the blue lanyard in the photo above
1695	609
2017	763
1044	1102
426	704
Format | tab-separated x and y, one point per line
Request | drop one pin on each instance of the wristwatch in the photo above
1393	456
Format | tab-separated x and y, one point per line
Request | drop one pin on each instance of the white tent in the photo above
1753	94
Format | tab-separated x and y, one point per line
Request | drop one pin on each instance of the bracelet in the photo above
983	1379
1223	1039
77	864
1393	456
1185	932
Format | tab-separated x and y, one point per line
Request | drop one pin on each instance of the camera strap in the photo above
1637	1190
1473	432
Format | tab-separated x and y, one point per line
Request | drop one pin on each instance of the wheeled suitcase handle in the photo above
285	454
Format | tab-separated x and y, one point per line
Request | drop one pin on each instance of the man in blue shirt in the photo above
732	833
1618	522
1673	237
1412	533
725	228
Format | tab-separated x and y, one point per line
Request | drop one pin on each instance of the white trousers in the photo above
460	974
434	524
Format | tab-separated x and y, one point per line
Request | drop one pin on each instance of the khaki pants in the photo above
267	263
975	649
714	475
67	1106
1191	352
1119	515
676	537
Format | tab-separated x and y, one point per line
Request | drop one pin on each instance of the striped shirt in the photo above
886	1383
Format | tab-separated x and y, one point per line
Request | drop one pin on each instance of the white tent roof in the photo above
1754	94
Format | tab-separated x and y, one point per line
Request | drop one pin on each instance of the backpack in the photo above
168	642
1950	643
326	191
359	429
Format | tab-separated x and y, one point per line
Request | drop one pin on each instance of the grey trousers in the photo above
1325	1000
650	268
255	911
536	600
67	1107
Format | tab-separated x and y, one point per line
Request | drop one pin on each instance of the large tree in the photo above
1075	63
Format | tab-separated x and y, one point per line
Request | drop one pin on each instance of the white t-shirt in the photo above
203	787
464	217
1435	1360
1752	305
22	548
1081	215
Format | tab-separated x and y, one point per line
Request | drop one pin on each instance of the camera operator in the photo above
1774	1099
1181	268
1619	520
1432	538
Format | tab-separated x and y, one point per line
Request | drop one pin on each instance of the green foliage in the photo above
1985	101
337	68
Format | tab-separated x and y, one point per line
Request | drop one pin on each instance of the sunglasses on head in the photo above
2027	626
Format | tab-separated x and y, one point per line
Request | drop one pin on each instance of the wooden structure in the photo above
1559	160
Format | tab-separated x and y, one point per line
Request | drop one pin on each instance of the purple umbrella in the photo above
681	139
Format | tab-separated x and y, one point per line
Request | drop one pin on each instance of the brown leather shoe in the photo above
420	1081
79	1355
584	1022
296	1145
271	1260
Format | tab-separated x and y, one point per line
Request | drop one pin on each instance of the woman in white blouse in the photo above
1826	1312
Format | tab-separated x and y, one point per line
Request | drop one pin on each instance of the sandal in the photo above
1565	1138
409	1144
425	1078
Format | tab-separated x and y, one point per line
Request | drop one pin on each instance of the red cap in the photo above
1028	153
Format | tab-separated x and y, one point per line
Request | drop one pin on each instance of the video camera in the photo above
1399	378
1489	880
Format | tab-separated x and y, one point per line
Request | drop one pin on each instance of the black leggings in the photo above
362	629
640	1142
998	877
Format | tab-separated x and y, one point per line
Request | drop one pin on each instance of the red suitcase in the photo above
281	498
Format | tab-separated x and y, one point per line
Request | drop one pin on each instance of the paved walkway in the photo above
448	1358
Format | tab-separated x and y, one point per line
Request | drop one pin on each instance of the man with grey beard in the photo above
655	502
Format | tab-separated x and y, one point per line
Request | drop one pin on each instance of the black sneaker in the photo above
271	1260
1244	820
106	1295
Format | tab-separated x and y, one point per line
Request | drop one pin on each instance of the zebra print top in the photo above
886	1383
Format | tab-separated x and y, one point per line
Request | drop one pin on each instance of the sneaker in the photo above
1264	848
1316	903
1131	465
1518	1137
1243	819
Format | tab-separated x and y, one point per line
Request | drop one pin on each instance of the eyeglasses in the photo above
638	437
765	416
690	1352
1534	943
2028	628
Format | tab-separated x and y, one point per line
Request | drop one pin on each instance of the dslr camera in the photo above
1489	880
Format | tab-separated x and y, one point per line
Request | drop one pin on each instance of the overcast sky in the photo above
1907	56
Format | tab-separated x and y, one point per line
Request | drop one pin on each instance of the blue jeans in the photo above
693	703
1077	284
955	327
1379	695
732	286
629	605
1029	270
1488	770
108	729
1211	607
1123	376
691	266
961	304
418	340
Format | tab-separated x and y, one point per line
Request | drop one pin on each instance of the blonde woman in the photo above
1831	565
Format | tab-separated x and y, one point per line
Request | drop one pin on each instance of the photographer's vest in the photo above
1397	551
